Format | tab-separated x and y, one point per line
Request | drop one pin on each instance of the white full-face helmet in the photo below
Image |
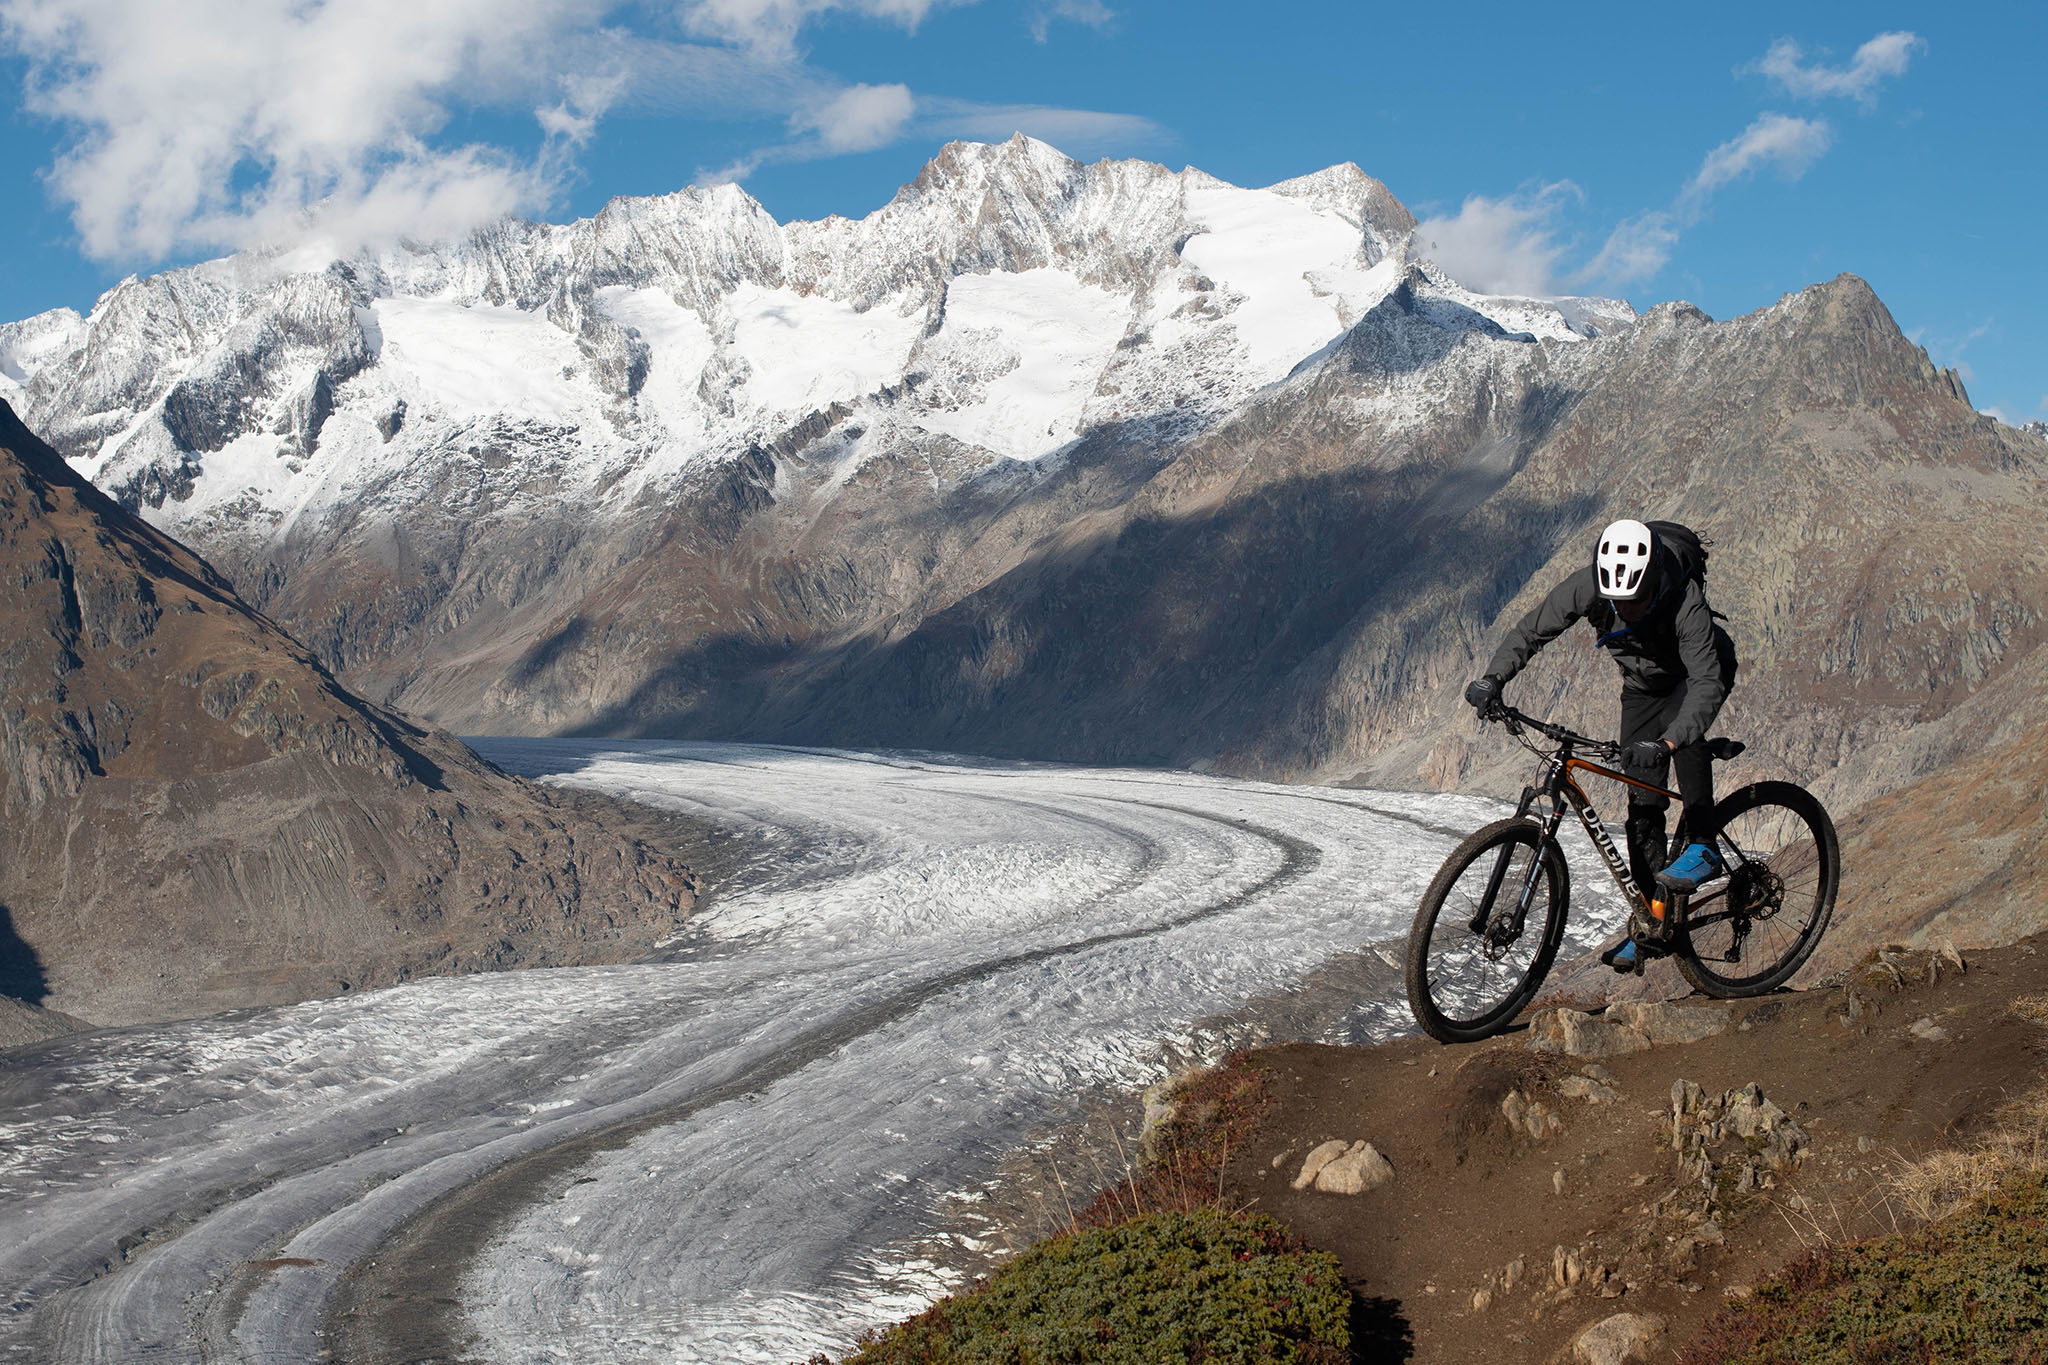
1622	563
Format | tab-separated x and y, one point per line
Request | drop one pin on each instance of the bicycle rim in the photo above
1462	985
1749	933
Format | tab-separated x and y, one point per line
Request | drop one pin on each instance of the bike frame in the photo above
1560	787
1562	790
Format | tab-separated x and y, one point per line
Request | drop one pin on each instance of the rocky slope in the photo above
1102	463
197	816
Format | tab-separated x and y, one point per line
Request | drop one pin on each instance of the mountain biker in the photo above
1644	598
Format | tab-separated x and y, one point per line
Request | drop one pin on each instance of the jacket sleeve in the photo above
1705	689
1567	602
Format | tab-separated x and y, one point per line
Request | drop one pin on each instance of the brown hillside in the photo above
199	817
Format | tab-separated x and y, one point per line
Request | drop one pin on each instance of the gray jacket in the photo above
1676	644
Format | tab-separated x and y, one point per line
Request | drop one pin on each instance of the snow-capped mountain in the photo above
1002	304
1097	462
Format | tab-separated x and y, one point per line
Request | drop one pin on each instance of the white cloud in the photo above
231	123
1500	246
863	118
1078	132
1790	144
1946	348
1089	13
859	118
771	26
1635	251
1885	55
213	122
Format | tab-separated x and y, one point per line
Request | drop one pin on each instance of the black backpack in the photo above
1688	549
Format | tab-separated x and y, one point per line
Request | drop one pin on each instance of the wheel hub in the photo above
1756	891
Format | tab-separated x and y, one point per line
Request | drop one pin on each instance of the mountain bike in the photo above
1490	924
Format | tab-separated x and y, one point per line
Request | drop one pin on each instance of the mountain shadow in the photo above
21	969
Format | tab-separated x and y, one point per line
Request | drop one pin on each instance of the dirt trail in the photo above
1870	1072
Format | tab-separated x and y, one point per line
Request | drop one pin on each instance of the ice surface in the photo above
919	962
476	359
806	352
1262	247
1059	336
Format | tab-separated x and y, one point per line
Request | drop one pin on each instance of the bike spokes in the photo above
1486	932
1751	931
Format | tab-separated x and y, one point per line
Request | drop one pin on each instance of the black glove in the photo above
1645	753
1483	694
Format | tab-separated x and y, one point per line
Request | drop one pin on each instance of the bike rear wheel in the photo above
1749	934
1465	982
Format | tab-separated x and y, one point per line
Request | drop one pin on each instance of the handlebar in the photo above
1517	721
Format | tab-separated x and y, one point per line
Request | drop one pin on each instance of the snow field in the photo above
479	360
1063	335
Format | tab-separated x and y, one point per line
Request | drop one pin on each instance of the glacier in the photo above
918	963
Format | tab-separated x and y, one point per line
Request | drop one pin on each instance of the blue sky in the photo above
1726	157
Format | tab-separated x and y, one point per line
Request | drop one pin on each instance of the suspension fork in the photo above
1487	915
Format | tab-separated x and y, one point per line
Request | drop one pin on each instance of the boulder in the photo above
1312	1165
1664	1023
1618	1340
1622	1029
1575	1033
1358	1170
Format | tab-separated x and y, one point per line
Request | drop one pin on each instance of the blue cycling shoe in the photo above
1623	956
1696	864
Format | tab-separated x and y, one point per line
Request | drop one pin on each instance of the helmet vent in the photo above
1622	563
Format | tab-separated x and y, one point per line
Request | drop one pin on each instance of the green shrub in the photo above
1972	1287
1203	1286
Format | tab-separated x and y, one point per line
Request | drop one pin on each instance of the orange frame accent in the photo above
1572	763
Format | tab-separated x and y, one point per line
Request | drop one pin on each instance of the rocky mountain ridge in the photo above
1104	463
198	817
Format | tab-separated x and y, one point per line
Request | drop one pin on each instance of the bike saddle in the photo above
1725	748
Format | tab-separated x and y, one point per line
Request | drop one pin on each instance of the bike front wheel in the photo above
1748	934
1487	931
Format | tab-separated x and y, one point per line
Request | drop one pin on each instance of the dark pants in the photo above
1646	715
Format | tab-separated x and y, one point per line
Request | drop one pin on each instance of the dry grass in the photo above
2032	1009
2015	1145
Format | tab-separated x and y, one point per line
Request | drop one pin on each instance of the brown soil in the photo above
1470	1195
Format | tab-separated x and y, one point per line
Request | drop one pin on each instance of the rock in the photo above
1532	1119
1162	1102
1482	1299
1588	1089
1358	1170
1568	1268
1663	1024
1617	1340
1575	1033
1557	1181
1702	1125
1312	1165
1928	1031
22	1023
1511	1274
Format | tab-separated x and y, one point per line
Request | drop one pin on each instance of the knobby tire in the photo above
1804	861
1455	997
